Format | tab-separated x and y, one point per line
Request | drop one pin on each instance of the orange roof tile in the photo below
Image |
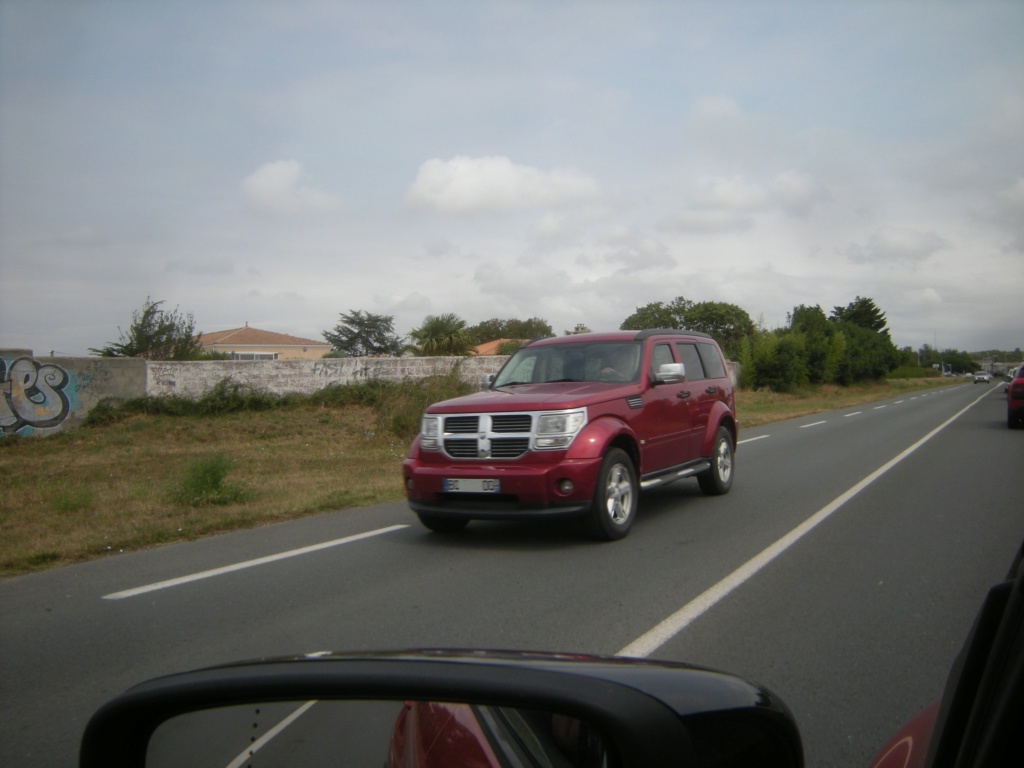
491	347
254	337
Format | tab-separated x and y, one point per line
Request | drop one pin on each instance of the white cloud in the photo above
1007	212
708	221
894	245
496	185
215	266
275	188
730	193
716	109
797	192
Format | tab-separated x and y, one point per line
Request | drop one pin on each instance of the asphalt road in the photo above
889	522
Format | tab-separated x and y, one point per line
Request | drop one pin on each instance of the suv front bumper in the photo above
527	489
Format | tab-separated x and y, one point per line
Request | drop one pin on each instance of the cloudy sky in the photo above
279	163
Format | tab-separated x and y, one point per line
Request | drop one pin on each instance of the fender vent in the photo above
635	401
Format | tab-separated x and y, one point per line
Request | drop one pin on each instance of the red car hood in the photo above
535	397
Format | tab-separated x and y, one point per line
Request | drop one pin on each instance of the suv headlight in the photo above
430	433
557	430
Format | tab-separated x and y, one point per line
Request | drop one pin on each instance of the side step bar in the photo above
672	475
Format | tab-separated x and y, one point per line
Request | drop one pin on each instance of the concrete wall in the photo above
192	379
48	394
44	395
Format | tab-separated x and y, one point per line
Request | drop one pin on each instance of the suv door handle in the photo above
683	395
711	390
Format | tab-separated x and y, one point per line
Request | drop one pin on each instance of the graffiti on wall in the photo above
34	395
335	369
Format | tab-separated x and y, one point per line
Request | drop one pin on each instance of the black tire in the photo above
440	524
718	480
616	497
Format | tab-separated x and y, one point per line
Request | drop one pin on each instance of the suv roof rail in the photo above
647	333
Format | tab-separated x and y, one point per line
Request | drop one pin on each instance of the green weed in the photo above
204	482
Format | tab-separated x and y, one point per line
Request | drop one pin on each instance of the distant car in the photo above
1015	399
983	376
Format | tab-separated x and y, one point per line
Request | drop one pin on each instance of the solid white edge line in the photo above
247	564
262	741
657	636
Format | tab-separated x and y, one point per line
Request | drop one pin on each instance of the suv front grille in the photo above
494	435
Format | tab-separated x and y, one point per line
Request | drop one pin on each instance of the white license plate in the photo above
464	485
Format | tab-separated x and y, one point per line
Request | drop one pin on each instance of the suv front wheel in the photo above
718	479
615	497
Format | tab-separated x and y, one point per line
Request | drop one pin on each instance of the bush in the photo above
203	482
398	405
913	372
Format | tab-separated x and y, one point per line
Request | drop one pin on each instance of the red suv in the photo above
577	425
1015	399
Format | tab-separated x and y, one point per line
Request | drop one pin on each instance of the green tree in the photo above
727	323
862	312
824	349
442	335
778	361
653	315
156	334
868	356
510	328
359	334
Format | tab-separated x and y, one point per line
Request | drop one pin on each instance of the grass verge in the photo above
141	478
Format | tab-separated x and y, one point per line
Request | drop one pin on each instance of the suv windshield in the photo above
609	361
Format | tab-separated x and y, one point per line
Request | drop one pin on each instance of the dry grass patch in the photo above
755	408
93	491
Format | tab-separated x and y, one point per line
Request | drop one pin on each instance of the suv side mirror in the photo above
365	709
486	381
670	373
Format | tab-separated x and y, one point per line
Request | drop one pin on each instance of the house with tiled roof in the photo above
247	343
492	347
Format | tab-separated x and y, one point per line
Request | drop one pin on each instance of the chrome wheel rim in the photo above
618	494
723	460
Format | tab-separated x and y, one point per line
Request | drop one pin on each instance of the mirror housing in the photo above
487	381
650	713
670	373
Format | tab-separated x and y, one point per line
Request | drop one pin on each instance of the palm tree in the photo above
442	335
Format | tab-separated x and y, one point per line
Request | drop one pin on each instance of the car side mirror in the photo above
474	708
670	373
487	381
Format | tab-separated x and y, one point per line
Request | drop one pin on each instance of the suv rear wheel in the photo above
615	497
718	479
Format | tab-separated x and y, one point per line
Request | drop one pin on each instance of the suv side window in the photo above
660	355
713	364
691	359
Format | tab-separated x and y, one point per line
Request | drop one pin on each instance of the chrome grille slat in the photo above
461	448
513	422
509	447
461	424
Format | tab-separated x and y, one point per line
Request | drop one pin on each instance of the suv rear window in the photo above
690	358
713	364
